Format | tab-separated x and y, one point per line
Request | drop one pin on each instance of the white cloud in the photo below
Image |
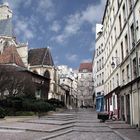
59	38
22	28
47	9
86	60
55	26
74	22
72	57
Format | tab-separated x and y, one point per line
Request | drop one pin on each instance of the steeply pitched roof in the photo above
6	27
87	66
40	56
11	56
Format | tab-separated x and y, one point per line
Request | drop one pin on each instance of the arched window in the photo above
35	72
47	74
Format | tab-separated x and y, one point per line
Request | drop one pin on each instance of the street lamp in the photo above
113	63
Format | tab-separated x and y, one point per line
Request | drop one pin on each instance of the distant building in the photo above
68	80
85	85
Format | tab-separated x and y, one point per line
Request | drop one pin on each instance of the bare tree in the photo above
15	82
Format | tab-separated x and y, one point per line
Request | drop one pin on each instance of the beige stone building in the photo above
85	85
121	37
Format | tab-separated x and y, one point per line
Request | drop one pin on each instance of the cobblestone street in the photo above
79	124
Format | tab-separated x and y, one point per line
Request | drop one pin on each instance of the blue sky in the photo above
66	26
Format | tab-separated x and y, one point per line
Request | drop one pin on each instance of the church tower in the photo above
5	12
5	21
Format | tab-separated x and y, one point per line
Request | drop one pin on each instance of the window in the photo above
102	48
134	68
130	4
35	72
115	33
120	22
126	44
123	81
102	77
118	4
85	70
47	74
113	12
124	14
117	60
97	65
127	69
122	51
132	35
97	52
100	80
117	77
111	41
102	62
38	93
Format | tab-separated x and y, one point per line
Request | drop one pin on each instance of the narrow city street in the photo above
81	124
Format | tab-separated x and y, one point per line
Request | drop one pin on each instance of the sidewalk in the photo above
16	118
124	130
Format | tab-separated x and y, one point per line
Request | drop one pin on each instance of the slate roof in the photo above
6	27
11	56
87	66
40	56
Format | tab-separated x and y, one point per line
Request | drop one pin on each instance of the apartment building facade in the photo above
85	85
121	37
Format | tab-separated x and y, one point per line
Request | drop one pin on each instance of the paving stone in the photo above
91	124
52	122
76	124
88	136
34	127
93	129
20	135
